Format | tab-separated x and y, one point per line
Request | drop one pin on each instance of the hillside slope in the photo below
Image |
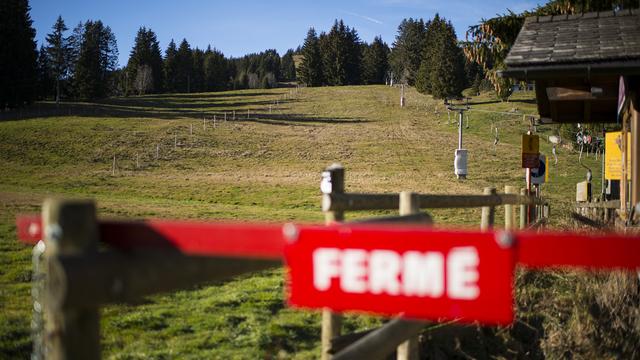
264	165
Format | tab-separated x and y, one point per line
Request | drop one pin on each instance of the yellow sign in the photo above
530	144
613	155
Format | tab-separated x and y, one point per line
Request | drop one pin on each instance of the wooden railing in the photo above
400	333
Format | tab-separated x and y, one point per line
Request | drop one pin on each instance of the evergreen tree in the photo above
184	68
429	56
341	53
171	68
45	82
197	73
471	71
97	60
353	50
375	62
146	55
216	74
288	67
406	55
59	52
269	63
310	71
441	72
17	54
75	44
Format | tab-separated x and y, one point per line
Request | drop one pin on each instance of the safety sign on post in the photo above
613	155
540	175
530	151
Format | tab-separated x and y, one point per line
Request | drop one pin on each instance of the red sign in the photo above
417	272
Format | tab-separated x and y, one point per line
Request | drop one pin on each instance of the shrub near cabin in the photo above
418	272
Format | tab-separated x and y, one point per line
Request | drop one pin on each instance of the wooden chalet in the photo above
583	66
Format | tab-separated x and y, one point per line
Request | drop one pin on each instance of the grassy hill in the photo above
264	165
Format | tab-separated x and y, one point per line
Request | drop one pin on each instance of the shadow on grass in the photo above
262	109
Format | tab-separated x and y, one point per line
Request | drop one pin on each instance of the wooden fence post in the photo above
409	205
71	230
524	210
488	212
332	323
509	211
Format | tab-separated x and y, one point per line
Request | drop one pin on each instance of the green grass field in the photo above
262	167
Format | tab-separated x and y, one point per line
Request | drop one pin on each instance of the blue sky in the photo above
240	27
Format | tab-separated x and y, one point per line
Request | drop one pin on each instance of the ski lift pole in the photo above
460	161
460	129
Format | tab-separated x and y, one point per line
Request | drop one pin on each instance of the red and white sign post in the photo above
419	273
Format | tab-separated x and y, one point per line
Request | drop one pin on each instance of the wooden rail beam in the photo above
609	204
383	341
354	201
114	277
419	218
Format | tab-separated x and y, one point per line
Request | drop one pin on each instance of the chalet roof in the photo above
561	41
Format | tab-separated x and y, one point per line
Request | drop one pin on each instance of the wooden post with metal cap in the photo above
71	230
332	182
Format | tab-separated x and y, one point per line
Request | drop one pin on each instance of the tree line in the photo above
82	63
182	69
426	55
339	57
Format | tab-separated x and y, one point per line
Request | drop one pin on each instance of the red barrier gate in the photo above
419	271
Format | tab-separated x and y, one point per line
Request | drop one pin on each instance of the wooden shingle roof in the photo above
589	38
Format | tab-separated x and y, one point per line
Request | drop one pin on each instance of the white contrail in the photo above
364	17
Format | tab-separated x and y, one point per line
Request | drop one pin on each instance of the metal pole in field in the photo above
460	160
113	165
137	160
157	151
175	141
190	129
460	130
